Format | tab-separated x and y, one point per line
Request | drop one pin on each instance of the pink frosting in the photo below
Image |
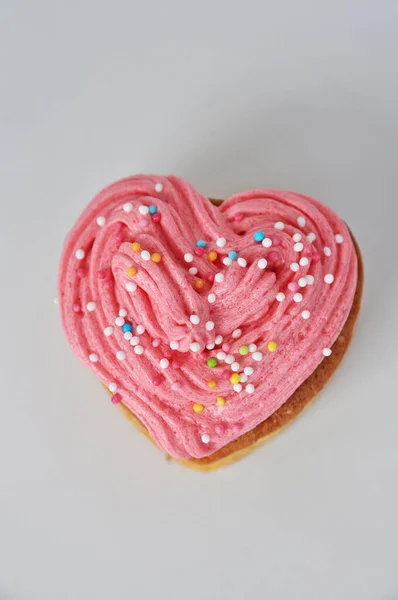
166	297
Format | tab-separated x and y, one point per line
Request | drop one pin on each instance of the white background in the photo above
231	95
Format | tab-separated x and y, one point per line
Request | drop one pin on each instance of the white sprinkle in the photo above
298	247
280	296
302	282
155	343
248	370
219	277
257	356
119	321
140	329
192	270
145	255
297	237
194	319
112	387
211	298
221	242
164	363
329	278
262	263
306	314
339	238
243	378
158	187
327	251
122	312
297	297
127	335
221	355
209	325
237	387
138	349
195	347
79	254
310	279
236	333
101	221
128	207
135	340
93	357
131	286
235	366
242	262
267	242
188	257
108	331
250	388
91	306
218	340
279	225
229	359
174	345
210	346
252	347
311	237
120	355
304	261
326	351
227	261
205	438
143	210
301	221
294	266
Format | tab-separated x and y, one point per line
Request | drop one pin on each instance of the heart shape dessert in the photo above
201	320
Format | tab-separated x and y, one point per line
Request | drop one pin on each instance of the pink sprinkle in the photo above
218	429
157	380
101	274
292	285
315	257
273	256
276	240
176	364
168	354
108	284
210	277
80	273
155	343
76	307
156	217
226	347
226	375
199	251
116	398
175	386
238	216
307	251
143	223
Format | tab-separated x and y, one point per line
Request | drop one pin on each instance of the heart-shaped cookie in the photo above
204	321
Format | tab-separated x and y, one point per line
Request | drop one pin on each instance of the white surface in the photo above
230	95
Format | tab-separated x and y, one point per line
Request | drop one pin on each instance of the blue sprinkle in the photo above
152	209
201	244
127	327
259	236
233	255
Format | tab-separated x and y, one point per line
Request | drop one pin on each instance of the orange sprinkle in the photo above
212	256
198	408
212	384
156	257
220	400
131	271
199	283
136	246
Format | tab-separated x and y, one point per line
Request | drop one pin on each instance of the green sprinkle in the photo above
243	350
212	362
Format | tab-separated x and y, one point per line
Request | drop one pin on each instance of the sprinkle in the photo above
135	340
221	355
259	236
210	346
306	314
197	407
164	363
221	242
252	347
140	329
339	238
116	399
235	366
227	261
143	223
267	242
297	237
194	319
175	386
155	342
304	261
128	207
329	278
93	357
156	218
145	255
235	378
120	355
232	254
80	273
271	346
211	298
205	438
156	257
242	262
127	327
294	266
136	247
138	349
243	378
212	362
201	244
199	283
209	325
188	257
262	263
119	321
250	388
229	359
311	237
101	221
158	187
220	400
218	340
326	351
310	279
143	210
257	356
248	370
79	254
131	271
219	277
152	209
237	387
192	270
301	221
76	307
122	312
212	256
243	350
298	247
236	333
298	297
91	306
195	347
108	331
327	251
280	296
279	225
302	282
212	384
127	335
112	387
131	286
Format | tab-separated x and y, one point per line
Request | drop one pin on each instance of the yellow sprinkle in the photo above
235	378
197	408
156	257
136	246
212	384
220	400
131	271
212	256
199	283
271	346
